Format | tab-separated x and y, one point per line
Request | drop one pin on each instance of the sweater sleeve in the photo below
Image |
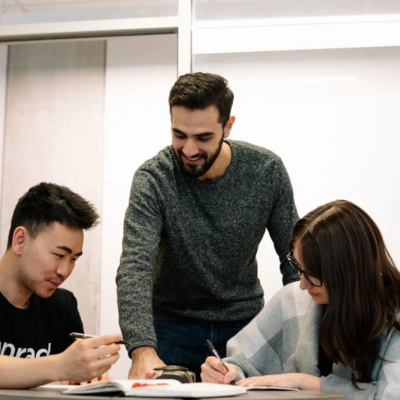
386	387
142	232
282	220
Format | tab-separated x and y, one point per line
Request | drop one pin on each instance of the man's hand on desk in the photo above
103	377
88	359
144	360
214	371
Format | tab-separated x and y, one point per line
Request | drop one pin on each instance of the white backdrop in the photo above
332	116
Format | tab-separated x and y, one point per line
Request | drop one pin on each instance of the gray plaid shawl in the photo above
283	338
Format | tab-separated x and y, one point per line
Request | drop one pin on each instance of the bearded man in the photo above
197	213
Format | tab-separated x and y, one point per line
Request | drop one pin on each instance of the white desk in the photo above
259	395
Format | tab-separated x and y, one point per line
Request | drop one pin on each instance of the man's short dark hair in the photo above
200	90
47	203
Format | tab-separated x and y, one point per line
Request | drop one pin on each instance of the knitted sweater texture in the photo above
190	246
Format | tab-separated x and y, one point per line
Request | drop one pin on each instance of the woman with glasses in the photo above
338	330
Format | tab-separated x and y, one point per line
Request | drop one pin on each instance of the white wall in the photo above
332	116
253	9
3	84
140	71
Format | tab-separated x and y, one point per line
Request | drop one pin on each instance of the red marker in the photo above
138	384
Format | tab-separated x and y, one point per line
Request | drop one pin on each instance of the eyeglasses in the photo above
293	262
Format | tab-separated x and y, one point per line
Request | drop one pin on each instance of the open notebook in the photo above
156	388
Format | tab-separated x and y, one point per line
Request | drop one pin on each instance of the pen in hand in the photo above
75	335
214	351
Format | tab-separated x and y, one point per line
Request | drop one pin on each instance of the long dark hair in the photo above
340	244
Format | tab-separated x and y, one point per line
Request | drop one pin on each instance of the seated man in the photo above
36	316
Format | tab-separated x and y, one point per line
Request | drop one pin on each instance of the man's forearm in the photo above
136	313
23	373
82	361
143	351
144	360
135	273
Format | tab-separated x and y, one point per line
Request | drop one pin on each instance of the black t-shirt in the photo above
41	329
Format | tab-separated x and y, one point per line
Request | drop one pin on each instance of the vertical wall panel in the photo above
140	73
53	133
3	84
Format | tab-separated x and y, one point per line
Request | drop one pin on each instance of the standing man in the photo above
197	213
36	316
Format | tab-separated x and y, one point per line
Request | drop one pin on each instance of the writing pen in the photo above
214	351
75	335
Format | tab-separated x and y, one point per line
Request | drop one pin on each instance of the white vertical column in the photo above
185	37
3	88
140	71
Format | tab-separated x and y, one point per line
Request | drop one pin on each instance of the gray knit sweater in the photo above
190	246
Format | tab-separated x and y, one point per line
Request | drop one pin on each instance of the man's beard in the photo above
199	170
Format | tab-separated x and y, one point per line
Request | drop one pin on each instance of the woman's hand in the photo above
294	380
214	371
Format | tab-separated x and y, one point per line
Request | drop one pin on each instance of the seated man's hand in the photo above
88	359
213	371
103	377
144	360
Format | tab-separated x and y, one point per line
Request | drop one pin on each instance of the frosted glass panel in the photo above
41	11
332	115
53	133
247	9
